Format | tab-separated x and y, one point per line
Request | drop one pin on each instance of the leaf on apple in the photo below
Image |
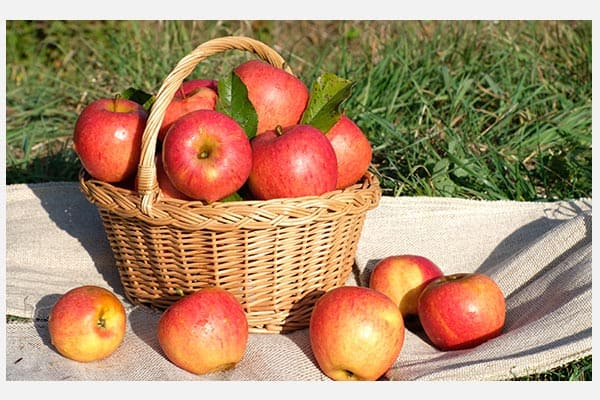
327	94
233	101
139	96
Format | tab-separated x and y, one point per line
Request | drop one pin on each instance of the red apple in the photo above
461	310
207	155
108	136
291	162
352	149
278	97
196	94
402	278
167	190
356	333
87	323
204	332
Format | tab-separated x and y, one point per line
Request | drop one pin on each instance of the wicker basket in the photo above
276	256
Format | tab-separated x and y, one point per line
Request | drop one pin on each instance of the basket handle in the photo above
146	174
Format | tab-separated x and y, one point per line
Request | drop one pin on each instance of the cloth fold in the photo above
538	253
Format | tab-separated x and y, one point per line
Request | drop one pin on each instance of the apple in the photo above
278	97
356	333
402	278
195	94
291	162
167	190
207	155
461	310
108	136
352	149
87	323
203	332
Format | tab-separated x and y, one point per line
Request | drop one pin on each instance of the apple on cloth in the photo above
87	323
204	332
403	277
461	310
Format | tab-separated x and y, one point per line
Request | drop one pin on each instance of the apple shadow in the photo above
144	324
40	319
70	210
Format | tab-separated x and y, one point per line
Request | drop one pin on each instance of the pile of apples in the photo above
355	332
258	133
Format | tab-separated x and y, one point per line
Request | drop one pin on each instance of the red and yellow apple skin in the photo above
352	149
402	278
278	97
107	138
195	94
462	310
87	323
206	155
356	333
204	332
292	162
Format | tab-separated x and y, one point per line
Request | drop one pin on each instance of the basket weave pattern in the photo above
276	256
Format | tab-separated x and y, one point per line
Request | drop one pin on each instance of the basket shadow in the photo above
75	215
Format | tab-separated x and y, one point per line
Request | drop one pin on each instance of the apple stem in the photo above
101	322
116	100
279	130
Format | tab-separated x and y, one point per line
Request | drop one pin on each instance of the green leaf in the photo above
139	96
232	197
327	94
233	101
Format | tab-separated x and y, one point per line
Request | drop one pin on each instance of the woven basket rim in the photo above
234	215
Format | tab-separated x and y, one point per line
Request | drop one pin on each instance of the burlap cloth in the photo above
539	253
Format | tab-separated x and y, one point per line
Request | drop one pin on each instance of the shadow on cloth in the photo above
74	214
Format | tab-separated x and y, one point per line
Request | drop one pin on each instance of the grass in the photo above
471	109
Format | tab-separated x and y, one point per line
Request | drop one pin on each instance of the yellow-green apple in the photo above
356	333
207	155
87	323
402	278
278	97
107	138
203	332
291	162
352	149
461	310
195	94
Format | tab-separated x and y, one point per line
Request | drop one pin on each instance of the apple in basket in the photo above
167	190
107	138
461	310
87	323
207	155
294	161
402	278
356	333
352	149
203	332
278	97
195	94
